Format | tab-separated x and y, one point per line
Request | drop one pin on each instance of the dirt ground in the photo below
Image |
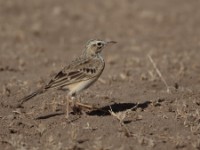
158	42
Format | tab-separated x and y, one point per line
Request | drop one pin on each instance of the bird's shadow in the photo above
118	107
105	111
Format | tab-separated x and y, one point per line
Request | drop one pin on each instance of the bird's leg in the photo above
77	107
86	106
67	106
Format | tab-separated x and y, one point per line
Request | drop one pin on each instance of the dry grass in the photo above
159	73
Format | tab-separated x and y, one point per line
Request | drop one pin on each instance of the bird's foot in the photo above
80	108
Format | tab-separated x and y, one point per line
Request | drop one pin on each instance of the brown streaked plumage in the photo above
79	74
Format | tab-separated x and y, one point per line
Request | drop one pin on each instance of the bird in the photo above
78	75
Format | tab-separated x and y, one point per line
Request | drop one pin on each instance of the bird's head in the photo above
95	47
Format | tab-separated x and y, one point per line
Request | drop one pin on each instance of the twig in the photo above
50	115
159	73
120	116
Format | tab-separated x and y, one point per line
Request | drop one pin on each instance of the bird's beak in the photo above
111	42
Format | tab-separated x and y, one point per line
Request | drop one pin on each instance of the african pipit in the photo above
79	74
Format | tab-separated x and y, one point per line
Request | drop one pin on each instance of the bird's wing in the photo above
79	70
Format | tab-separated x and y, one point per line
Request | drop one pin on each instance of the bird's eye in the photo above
99	44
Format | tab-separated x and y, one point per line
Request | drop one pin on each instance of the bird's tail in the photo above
28	97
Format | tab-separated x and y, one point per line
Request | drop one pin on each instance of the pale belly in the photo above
78	87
